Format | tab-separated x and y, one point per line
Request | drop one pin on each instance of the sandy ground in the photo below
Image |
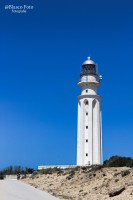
86	184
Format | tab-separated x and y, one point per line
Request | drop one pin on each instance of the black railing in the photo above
88	69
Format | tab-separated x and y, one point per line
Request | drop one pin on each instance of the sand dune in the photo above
86	183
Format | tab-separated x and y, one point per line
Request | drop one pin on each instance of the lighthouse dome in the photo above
88	61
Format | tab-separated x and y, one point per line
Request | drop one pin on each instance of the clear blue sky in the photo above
41	53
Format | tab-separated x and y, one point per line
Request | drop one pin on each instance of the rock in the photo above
116	174
70	176
116	180
85	193
125	173
116	191
130	183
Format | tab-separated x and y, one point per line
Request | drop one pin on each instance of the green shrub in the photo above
118	161
17	169
1	176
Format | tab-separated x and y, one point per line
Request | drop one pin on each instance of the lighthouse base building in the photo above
89	136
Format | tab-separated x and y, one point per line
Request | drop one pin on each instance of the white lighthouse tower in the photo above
89	137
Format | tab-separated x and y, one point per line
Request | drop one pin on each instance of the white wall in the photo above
92	134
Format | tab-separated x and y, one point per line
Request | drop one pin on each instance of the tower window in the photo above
86	127
86	102
86	154
86	113
86	140
86	91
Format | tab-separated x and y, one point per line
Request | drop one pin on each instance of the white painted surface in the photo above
10	177
16	190
53	166
89	136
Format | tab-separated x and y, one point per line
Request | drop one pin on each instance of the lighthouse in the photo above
89	133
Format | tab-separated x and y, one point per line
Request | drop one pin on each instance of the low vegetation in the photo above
114	161
118	161
12	170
